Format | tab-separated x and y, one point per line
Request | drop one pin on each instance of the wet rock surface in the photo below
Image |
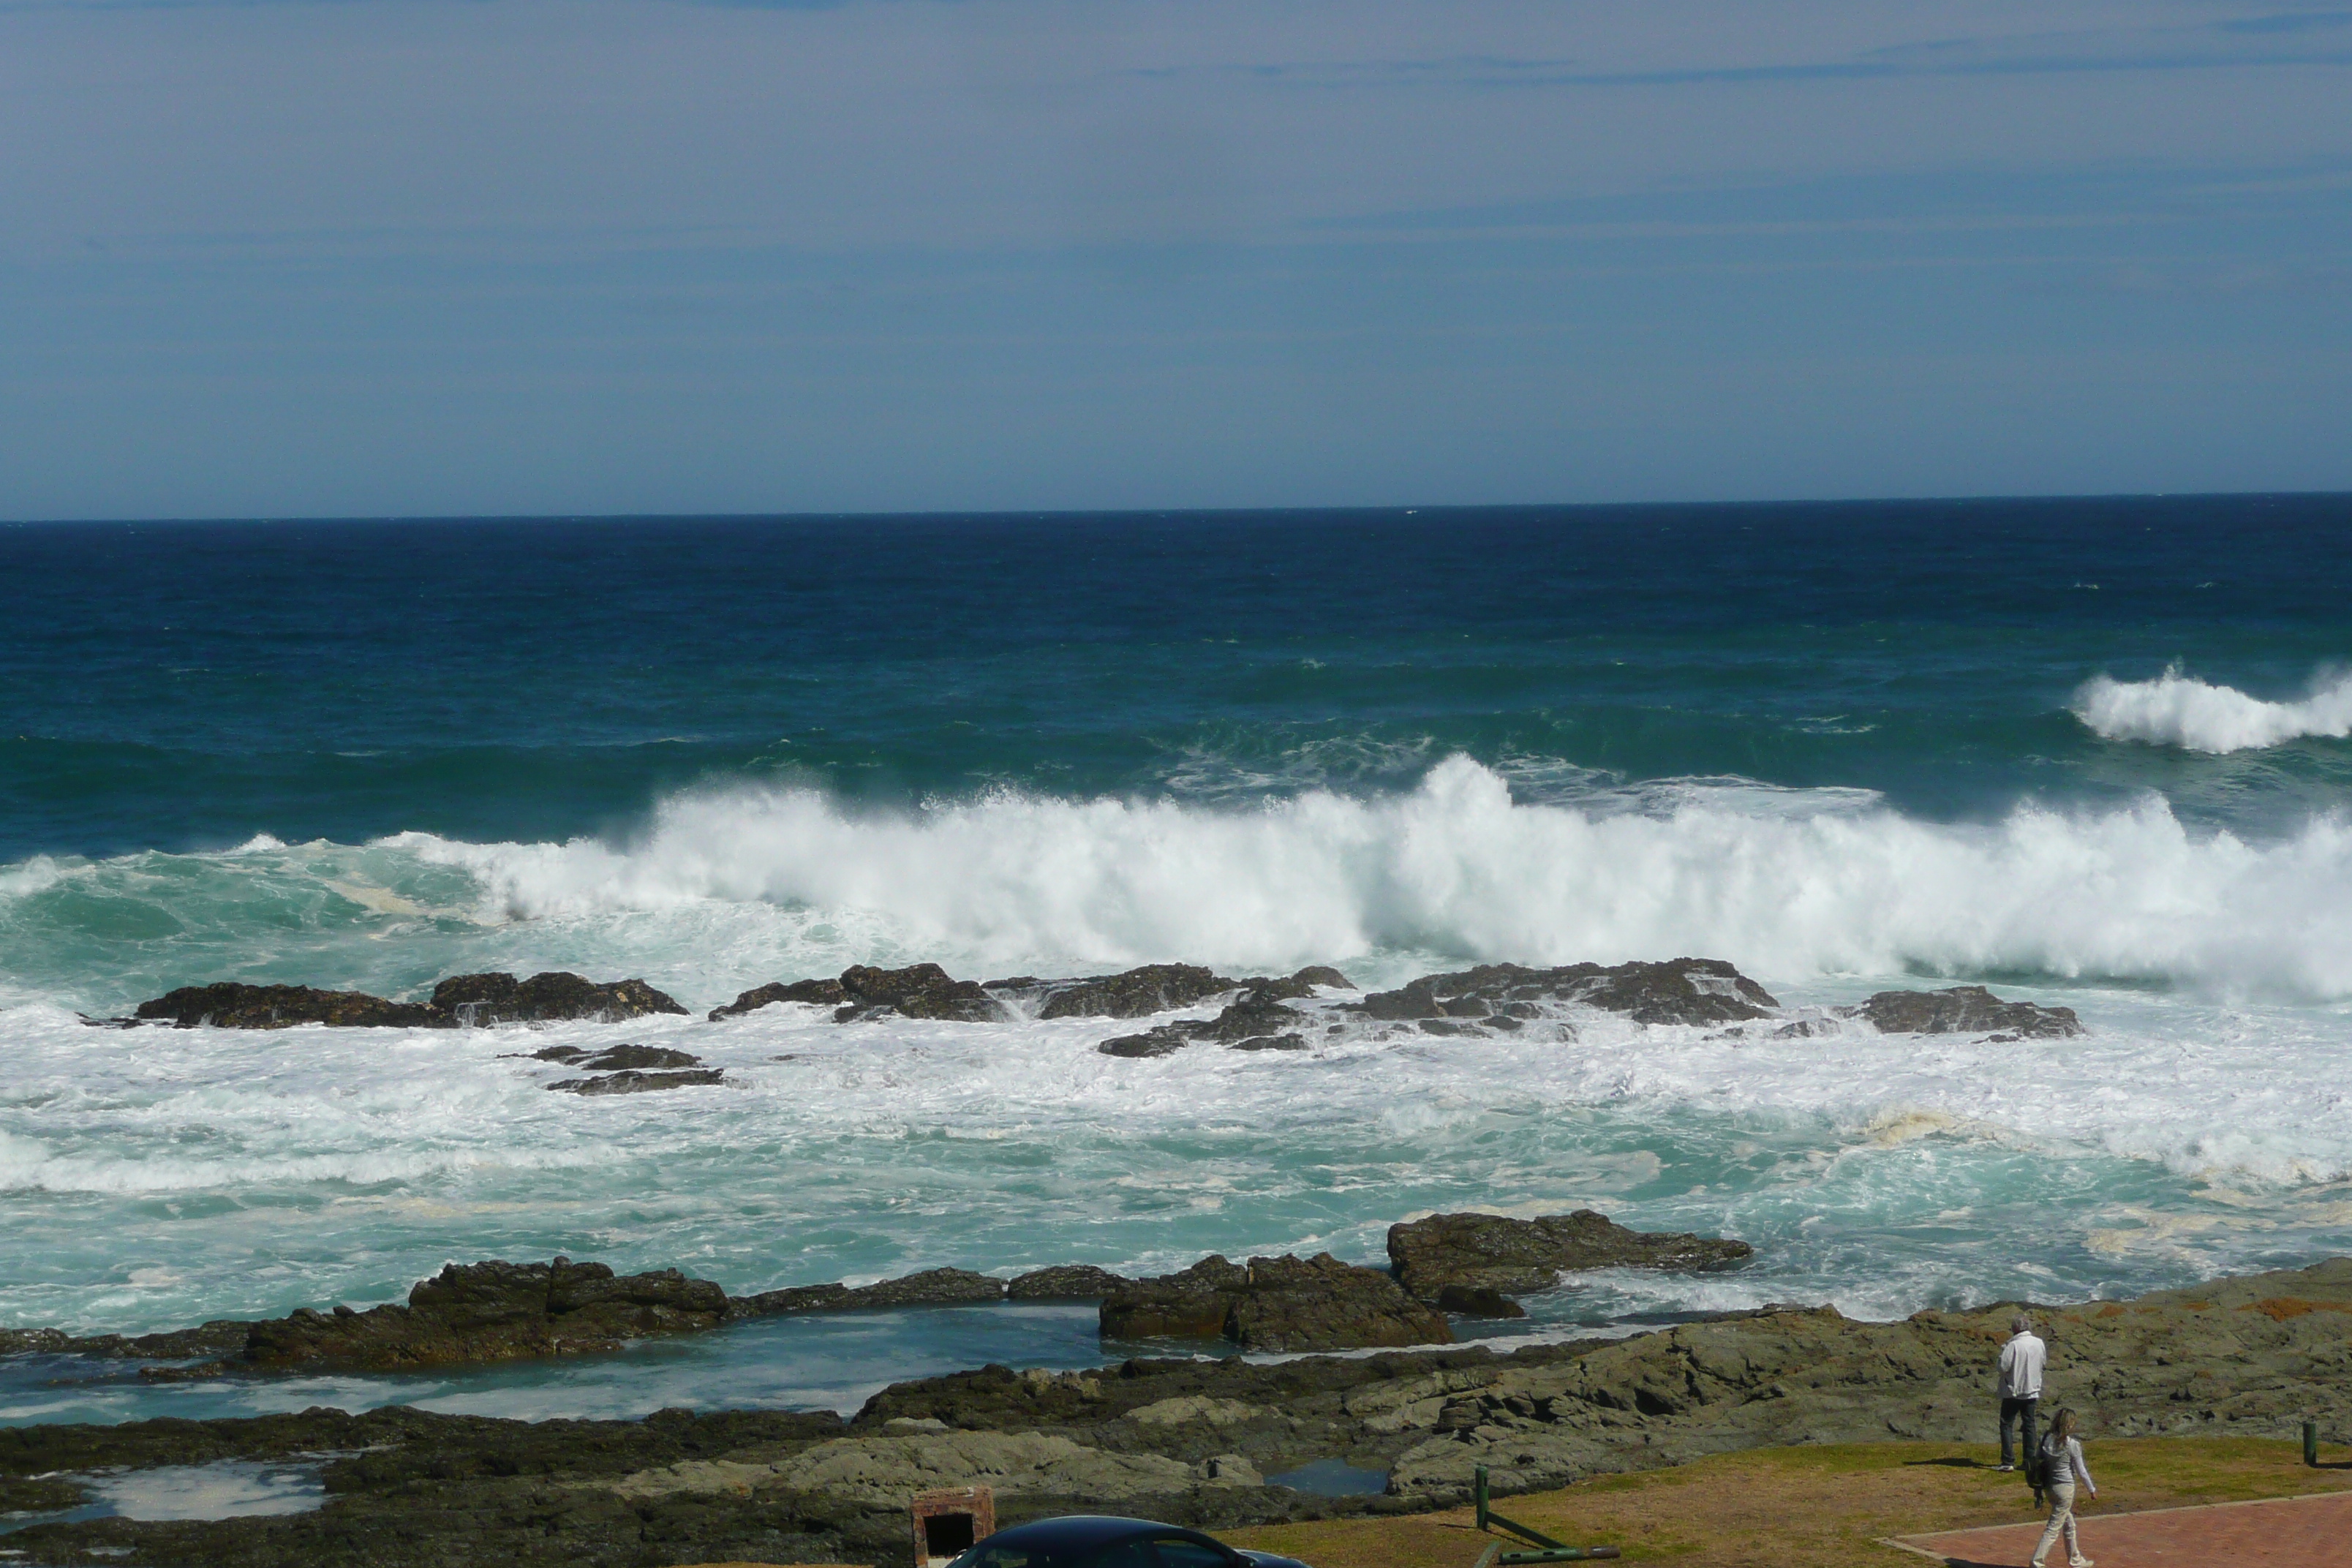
632	1082
1133	994
1966	1010
549	997
230	1004
457	1001
1274	1304
863	991
2250	1356
1700	991
1259	1019
1493	1253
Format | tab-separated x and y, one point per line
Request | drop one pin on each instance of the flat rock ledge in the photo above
1467	1253
1275	1304
457	1002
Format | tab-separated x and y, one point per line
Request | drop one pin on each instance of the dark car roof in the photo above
1086	1531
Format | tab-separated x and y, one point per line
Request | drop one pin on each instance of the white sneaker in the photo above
2078	1562
2006	1468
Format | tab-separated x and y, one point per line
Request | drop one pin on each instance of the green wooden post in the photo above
2310	1445
1478	1486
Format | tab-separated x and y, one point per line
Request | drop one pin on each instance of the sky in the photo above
323	258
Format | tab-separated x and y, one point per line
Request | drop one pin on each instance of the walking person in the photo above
2062	1458
2020	1385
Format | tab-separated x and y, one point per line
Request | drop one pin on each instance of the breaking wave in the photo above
1456	867
2177	709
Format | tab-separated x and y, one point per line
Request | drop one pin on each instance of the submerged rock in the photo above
634	1082
1274	1304
1965	1010
1491	1252
1699	990
492	1312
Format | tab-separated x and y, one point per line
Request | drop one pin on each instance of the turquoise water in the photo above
1844	747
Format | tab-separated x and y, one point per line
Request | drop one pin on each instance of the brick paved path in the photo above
2290	1533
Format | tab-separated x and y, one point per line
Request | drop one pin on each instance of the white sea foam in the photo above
2178	710
1457	867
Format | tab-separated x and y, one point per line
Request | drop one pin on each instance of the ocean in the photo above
2092	753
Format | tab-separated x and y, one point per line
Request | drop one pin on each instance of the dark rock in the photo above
1965	1010
821	992
1134	993
639	1082
567	1054
230	1004
1274	1304
1066	1282
1518	1255
1298	987
1478	1301
1271	1043
620	1056
917	991
492	1312
552	996
219	1337
1256	1013
1165	1040
931	1288
1680	991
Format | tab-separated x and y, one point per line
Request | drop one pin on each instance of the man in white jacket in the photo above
2020	1385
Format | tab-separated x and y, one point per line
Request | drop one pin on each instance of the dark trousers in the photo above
2016	1413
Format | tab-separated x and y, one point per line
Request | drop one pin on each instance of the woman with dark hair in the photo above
2062	1466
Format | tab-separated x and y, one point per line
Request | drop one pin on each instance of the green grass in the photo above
1822	1507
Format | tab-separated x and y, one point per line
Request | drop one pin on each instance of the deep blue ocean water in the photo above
2091	752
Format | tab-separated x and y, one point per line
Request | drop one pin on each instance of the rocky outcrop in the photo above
231	1005
1066	1282
2250	1356
1134	993
931	1288
549	997
460	1001
1965	1010
1274	1304
491	1311
1259	1019
815	992
1696	991
1491	1252
863	991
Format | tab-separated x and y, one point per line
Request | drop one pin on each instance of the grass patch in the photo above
1822	1507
